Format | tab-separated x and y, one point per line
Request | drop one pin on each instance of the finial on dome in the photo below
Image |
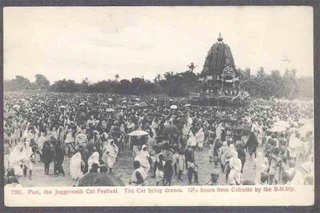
220	37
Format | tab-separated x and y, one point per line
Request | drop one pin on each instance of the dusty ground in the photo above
124	167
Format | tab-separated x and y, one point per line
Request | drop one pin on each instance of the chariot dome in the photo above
219	61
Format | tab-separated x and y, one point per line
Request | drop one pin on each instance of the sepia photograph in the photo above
157	99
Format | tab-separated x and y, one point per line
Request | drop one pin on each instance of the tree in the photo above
260	72
168	75
261	85
125	86
305	88
191	67
157	78
117	76
137	85
42	82
290	82
247	72
64	86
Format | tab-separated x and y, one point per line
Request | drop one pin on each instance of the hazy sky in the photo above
99	42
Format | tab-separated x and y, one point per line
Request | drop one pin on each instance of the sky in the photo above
99	42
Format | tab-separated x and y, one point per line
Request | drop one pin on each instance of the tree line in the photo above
259	85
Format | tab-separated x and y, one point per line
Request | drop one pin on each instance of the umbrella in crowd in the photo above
277	129
143	104
173	107
138	133
110	110
17	107
170	130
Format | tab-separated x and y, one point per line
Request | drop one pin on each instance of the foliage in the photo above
275	85
42	82
260	85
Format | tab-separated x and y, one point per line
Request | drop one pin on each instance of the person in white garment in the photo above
76	168
40	141
110	155
138	175
159	164
28	161
69	140
260	166
200	138
294	176
221	155
191	140
16	158
235	172
94	158
219	131
308	167
294	143
144	158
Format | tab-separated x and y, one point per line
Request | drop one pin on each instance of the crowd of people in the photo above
164	136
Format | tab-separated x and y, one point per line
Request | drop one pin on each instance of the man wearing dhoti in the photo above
221	155
191	165
191	140
40	141
275	166
159	164
28	161
181	163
